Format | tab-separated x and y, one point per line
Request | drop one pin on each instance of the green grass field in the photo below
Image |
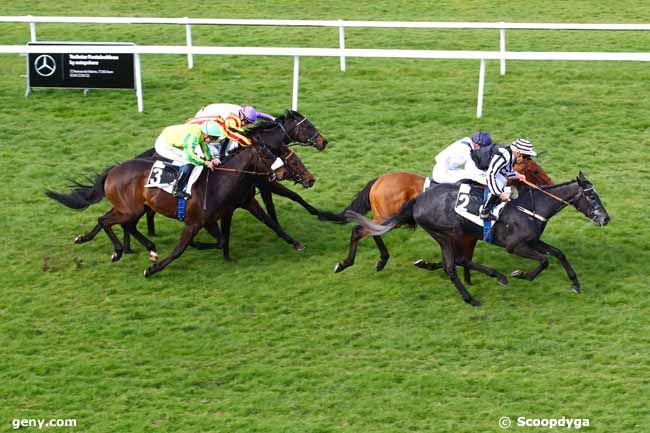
276	342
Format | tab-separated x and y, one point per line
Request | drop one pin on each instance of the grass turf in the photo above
276	341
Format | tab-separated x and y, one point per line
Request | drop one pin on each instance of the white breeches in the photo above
177	157
175	154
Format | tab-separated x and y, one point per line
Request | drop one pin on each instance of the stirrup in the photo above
180	193
488	216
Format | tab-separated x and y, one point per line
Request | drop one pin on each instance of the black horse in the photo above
518	228
291	127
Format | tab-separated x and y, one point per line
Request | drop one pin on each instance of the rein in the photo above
244	171
236	170
553	196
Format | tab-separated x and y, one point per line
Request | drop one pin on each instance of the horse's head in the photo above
297	170
268	161
533	171
588	202
300	130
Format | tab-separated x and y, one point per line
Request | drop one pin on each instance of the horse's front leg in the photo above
267	198
558	254
256	210
527	251
277	188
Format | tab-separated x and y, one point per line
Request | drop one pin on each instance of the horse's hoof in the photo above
380	265
473	302
78	239
518	274
153	256
502	280
419	264
147	272
298	246
338	268
577	289
115	256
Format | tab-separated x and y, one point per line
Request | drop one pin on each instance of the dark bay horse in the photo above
212	196
515	230
291	127
385	196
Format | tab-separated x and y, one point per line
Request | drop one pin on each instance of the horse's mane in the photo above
263	125
234	153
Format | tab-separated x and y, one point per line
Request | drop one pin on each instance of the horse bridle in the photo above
297	177
309	142
570	201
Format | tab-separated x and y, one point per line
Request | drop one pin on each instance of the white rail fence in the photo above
342	52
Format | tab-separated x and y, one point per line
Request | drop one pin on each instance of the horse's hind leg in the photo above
106	221
127	240
80	239
429	266
468	264
357	234
383	253
151	225
132	228
469	243
449	259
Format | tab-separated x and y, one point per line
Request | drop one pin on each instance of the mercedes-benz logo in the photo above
44	65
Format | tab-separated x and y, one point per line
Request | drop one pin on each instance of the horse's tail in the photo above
360	204
403	217
81	195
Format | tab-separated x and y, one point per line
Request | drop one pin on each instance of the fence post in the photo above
342	45
296	74
138	82
188	38
32	30
502	48
481	84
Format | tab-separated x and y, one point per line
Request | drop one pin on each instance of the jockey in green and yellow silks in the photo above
186	145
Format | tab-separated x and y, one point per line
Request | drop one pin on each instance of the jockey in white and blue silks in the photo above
501	169
455	163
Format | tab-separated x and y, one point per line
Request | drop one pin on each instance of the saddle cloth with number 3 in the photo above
164	175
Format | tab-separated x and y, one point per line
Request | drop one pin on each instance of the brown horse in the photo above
213	195
385	196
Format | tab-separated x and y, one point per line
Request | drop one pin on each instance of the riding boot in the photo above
181	183
491	202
